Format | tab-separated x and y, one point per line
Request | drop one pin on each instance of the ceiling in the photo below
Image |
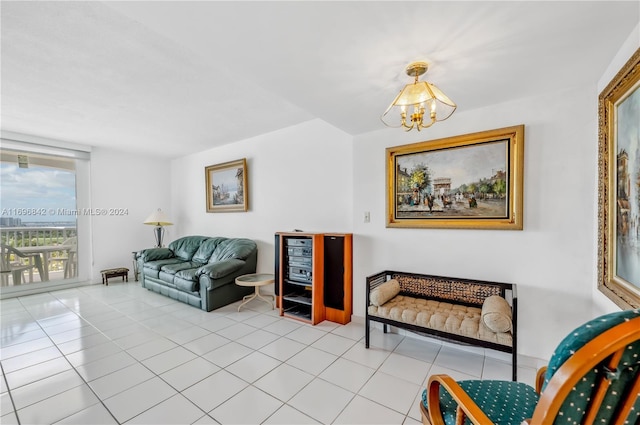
172	78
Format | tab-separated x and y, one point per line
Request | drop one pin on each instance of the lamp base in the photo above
159	234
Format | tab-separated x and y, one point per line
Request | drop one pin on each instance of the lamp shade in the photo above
158	218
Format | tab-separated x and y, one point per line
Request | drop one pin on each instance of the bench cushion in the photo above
441	316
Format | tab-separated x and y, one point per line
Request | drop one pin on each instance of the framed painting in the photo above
472	181
619	186
226	186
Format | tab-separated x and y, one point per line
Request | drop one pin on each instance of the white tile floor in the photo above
122	354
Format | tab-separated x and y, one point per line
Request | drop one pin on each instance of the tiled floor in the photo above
122	354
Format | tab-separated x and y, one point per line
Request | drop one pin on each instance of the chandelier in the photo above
423	97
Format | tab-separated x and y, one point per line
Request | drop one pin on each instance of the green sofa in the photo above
199	270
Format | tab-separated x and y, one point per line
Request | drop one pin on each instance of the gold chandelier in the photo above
422	96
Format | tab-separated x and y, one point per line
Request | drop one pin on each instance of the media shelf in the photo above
298	298
313	276
298	312
301	284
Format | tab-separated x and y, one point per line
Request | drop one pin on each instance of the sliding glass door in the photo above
39	220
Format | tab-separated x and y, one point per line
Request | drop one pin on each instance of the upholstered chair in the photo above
592	378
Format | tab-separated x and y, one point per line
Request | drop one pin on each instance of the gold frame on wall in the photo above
225	199
490	161
618	216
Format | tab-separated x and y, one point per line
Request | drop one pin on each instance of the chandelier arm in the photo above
433	120
407	127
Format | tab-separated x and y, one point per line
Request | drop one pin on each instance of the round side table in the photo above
256	280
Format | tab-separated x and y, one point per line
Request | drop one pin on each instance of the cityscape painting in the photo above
619	186
469	181
628	190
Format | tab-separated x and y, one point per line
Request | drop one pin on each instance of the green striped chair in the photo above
593	377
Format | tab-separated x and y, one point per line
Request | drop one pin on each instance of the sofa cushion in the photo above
184	248
496	314
153	254
151	273
186	284
188	274
221	268
158	264
233	248
166	278
176	267
203	254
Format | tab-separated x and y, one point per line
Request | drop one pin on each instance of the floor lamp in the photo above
158	219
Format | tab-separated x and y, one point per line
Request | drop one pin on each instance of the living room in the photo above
313	175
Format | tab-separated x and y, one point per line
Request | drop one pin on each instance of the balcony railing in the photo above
55	245
18	237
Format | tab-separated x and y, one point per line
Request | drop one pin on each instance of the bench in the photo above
118	272
466	311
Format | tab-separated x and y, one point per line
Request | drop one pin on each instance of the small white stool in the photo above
256	280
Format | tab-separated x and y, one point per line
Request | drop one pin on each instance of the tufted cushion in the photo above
504	402
496	314
440	316
384	292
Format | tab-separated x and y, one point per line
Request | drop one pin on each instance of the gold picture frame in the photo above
619	187
226	186
471	181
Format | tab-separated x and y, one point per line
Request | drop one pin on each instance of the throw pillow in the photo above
384	292
496	314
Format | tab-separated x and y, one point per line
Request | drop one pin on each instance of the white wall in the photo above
299	177
140	184
550	260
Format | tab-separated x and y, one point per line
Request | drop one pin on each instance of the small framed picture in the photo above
226	186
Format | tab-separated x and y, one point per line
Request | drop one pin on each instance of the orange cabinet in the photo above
314	276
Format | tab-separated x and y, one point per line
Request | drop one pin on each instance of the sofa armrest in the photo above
221	268
153	254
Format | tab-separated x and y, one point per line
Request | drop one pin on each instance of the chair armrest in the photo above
466	405
540	378
153	254
220	268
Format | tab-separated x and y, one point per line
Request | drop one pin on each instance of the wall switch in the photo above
367	217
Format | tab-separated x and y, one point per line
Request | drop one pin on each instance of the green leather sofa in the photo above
199	270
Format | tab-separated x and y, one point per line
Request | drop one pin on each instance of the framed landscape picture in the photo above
468	181
619	186
226	186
